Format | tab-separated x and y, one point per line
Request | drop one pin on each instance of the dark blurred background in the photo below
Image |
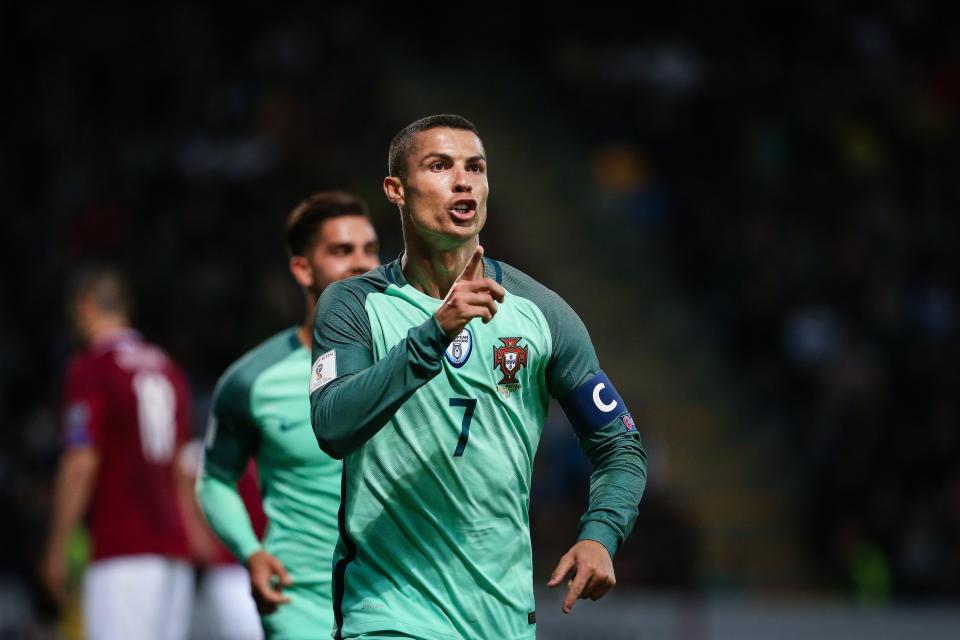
750	208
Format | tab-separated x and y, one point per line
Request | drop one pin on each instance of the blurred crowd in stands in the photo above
799	173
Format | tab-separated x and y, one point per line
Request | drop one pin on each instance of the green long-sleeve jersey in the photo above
438	438
260	409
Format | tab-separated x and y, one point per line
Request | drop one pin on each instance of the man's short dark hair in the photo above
402	143
304	222
107	287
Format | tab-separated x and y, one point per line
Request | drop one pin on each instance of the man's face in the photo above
83	316
445	193
346	246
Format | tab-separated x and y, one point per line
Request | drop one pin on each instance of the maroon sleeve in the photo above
249	490
85	405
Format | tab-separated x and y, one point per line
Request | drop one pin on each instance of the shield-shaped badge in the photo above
458	351
510	358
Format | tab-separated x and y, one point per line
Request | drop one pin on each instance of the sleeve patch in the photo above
595	404
77	425
324	370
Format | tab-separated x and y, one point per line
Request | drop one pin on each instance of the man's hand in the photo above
265	590
590	568
76	477
53	574
471	296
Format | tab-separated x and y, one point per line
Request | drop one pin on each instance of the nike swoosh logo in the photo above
288	427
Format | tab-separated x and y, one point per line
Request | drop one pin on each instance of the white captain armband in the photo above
595	404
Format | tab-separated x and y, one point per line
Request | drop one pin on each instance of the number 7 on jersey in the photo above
469	404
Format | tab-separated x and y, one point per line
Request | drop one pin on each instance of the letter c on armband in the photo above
606	407
595	404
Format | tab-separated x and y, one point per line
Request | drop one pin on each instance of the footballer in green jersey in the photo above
431	379
260	410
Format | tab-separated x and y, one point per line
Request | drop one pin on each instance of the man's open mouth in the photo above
464	209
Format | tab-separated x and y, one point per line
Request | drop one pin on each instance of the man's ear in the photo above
393	189
301	271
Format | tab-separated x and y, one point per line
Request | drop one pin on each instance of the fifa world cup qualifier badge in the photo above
458	351
324	370
509	358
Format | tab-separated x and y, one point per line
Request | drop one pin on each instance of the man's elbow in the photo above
329	443
324	426
332	446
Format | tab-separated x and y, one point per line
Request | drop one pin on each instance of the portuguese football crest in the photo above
510	358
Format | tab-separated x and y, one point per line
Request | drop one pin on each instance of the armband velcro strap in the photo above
595	404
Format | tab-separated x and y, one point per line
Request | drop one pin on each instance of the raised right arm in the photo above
351	396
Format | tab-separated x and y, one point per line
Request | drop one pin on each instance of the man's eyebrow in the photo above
437	154
447	158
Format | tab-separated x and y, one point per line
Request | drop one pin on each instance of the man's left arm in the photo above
608	436
84	421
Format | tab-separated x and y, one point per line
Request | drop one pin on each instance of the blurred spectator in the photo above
810	165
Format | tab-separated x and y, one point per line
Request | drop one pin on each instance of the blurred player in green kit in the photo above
431	378
260	410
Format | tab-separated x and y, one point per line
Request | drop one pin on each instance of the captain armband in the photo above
595	404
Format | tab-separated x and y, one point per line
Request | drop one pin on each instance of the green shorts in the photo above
308	615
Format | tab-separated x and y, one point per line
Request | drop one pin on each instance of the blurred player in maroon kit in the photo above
126	417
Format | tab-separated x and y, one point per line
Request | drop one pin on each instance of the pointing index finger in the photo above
474	268
575	588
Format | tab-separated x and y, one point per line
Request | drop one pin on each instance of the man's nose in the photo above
363	261
461	183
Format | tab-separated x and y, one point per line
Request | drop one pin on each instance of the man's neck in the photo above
433	271
305	332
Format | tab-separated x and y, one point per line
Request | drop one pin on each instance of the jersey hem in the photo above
184	556
426	633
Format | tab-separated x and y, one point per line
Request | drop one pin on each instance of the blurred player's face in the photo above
83	313
90	319
444	197
346	246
